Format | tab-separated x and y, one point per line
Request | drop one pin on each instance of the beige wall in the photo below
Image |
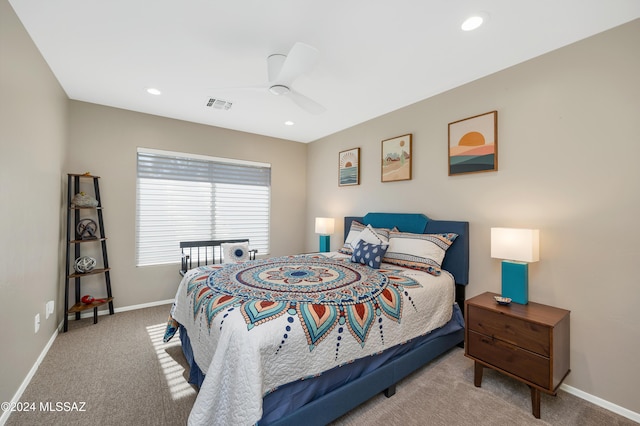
568	131
569	126
103	140
33	128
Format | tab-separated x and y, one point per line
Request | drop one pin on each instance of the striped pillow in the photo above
418	251
358	232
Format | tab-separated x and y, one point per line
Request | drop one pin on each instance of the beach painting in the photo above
349	167
396	158
473	144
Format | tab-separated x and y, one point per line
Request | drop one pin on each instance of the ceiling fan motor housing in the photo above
279	89
274	65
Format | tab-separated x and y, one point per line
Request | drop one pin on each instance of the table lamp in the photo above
517	248
325	227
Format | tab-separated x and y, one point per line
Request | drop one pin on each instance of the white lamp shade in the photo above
521	245
325	225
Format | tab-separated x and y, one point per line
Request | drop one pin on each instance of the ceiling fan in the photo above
283	70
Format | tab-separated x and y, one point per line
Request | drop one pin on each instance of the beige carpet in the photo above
120	373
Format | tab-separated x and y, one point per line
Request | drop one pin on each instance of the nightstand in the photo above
527	342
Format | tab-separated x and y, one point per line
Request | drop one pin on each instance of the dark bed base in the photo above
384	379
341	400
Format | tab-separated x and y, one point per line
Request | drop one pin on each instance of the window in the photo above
185	197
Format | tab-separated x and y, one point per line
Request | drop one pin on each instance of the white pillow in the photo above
234	252
352	238
418	251
367	233
373	236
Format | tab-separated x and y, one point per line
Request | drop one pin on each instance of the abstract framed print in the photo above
349	167
473	144
396	159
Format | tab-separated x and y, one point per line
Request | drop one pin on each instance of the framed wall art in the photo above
396	158
473	144
349	167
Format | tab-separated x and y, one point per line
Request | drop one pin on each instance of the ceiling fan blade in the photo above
306	104
300	60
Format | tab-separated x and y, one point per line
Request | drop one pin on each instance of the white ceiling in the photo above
375	56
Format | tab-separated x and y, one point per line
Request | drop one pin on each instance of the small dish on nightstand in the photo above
502	300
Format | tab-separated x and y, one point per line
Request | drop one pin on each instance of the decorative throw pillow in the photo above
369	254
374	236
352	237
235	252
358	232
419	251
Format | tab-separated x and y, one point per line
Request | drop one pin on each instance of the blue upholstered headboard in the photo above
456	261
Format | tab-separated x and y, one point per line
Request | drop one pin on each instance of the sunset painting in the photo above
473	144
396	159
349	167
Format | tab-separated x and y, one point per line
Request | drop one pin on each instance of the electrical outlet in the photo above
37	324
49	307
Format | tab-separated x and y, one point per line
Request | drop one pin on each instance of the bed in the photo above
305	339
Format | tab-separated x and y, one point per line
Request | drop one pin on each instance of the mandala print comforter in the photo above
258	325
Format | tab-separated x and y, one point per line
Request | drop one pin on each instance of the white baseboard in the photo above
601	403
27	380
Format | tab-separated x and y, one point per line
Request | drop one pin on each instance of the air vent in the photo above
218	104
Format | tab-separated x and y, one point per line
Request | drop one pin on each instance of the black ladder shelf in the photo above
82	231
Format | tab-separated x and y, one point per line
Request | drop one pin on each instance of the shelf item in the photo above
80	232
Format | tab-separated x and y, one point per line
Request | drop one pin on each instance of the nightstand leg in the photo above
477	374
535	402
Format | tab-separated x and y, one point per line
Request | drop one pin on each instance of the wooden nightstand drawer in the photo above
516	331
516	360
528	342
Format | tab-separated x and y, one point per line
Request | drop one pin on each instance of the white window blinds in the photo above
184	197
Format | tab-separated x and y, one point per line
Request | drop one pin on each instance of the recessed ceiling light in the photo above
289	123
153	91
472	23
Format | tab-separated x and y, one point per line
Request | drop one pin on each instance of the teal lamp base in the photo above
324	243
515	281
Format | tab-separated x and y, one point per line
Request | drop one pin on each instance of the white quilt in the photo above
249	338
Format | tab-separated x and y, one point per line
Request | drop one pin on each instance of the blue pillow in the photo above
369	254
